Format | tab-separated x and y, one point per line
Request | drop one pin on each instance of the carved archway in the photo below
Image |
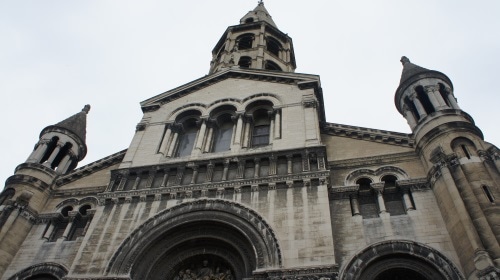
220	235
42	271
400	258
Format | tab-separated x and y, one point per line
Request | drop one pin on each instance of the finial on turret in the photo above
261	2
404	60
86	109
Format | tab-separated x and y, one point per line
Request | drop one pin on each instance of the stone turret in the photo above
58	151
255	43
461	166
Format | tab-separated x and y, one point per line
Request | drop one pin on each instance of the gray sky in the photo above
58	55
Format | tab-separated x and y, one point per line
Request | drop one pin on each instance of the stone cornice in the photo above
186	191
375	160
312	272
91	168
368	134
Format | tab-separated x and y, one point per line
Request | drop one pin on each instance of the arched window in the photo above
367	199
272	66
393	197
261	128
273	46
223	133
444	95
424	99
245	41
50	148
463	148
245	62
249	20
187	137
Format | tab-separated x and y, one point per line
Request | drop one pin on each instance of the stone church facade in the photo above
238	175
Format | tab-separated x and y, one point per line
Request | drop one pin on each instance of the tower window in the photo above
424	99
444	95
249	20
245	62
245	42
272	66
273	46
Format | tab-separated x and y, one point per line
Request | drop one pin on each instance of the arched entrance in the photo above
202	237
41	271
400	260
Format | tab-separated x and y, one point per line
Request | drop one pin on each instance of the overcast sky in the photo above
58	55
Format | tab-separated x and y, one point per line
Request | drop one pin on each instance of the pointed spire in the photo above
410	69
76	123
258	14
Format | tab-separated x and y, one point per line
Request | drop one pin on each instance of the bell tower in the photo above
58	151
462	168
255	43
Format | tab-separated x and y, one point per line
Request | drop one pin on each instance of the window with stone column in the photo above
68	224
224	124
367	199
393	196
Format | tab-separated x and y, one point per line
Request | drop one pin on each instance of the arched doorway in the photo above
400	260
41	271
400	267
201	237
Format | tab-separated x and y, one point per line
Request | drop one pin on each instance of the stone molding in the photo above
375	160
268	253
53	269
322	272
368	134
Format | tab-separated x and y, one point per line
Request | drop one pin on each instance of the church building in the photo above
238	175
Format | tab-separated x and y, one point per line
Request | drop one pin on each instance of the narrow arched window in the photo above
261	128
424	99
367	200
187	138
488	194
393	197
223	134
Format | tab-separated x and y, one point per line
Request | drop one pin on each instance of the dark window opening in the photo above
488	193
466	152
249	20
50	148
413	109
245	62
444	95
245	42
62	153
273	46
367	200
272	66
424	99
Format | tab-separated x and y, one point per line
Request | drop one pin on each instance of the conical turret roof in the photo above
412	73
410	69
258	14
77	124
